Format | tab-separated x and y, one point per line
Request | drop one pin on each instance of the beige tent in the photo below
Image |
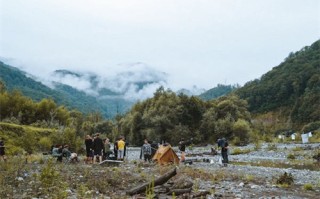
166	155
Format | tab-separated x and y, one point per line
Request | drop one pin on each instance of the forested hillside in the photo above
218	91
170	117
15	79
292	89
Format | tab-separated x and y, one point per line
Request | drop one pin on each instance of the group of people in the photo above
62	151
222	144
98	149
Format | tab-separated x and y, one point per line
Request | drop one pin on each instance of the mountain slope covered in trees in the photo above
218	91
291	88
16	79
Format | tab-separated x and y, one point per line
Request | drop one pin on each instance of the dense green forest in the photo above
165	117
170	117
218	91
292	89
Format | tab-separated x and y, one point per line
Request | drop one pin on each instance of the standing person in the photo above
121	146
223	143
89	149
2	150
107	148
182	148
154	148
115	148
97	148
146	151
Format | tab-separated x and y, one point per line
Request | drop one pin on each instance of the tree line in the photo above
164	117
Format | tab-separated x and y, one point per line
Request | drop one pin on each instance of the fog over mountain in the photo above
135	81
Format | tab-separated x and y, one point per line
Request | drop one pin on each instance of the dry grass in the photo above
53	180
237	151
295	164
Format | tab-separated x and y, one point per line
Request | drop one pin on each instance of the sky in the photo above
194	42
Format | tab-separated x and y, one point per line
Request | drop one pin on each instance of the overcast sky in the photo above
196	42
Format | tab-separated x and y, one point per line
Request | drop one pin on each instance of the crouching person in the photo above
71	157
57	152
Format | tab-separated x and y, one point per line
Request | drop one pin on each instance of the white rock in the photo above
69	191
255	186
241	184
19	179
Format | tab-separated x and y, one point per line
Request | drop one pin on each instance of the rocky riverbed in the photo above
253	173
251	180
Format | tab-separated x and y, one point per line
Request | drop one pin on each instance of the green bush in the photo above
291	156
311	127
308	187
272	147
45	143
285	179
238	151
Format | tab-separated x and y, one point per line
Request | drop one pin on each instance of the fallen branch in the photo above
159	181
200	194
178	192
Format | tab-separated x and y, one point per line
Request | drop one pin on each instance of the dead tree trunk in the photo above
201	194
159	181
178	192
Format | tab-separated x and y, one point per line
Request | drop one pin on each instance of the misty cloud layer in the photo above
137	81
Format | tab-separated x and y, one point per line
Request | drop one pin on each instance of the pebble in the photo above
20	179
254	186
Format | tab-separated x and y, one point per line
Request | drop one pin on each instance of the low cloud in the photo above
135	82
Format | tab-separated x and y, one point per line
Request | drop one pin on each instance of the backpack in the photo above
147	149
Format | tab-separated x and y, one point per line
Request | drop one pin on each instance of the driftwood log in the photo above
200	194
178	192
159	181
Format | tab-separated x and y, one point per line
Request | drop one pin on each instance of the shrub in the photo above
308	187
238	151
257	145
297	149
285	179
45	143
272	147
311	126
291	156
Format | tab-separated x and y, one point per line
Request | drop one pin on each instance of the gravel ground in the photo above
264	183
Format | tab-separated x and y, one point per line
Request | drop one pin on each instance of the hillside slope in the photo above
292	87
62	94
218	91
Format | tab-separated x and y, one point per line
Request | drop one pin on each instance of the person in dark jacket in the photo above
182	148
154	148
146	151
89	149
98	147
223	143
115	148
